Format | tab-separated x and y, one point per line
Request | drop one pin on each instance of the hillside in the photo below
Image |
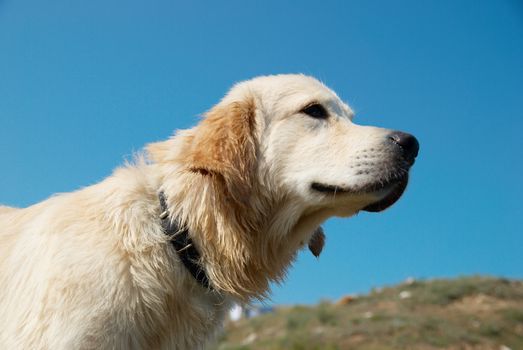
464	313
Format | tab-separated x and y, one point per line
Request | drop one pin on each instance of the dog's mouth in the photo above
395	190
392	190
329	188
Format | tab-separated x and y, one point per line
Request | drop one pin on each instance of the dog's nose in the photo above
408	143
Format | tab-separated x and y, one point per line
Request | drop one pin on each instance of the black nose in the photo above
408	144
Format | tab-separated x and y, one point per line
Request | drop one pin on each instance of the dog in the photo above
154	256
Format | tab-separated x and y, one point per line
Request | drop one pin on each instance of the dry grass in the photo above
465	313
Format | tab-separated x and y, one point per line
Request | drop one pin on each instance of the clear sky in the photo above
84	84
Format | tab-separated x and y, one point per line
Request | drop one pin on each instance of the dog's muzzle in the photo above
408	146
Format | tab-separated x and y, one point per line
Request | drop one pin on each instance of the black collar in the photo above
183	244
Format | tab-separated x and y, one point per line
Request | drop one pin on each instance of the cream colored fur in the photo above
4	210
93	269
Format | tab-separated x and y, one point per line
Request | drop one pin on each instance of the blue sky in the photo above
85	84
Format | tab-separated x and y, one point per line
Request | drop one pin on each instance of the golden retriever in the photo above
247	187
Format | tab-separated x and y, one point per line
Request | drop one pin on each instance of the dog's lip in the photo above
395	191
377	186
392	188
317	186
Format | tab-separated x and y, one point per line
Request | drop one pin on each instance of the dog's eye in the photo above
316	111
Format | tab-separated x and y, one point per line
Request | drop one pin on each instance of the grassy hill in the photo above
464	313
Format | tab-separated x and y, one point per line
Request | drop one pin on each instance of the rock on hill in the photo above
463	313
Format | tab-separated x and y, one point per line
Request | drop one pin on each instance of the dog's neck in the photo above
183	244
243	246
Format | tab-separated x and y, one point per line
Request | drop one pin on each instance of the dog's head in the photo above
312	150
295	138
286	149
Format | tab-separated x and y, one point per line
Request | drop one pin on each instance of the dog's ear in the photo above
224	147
317	242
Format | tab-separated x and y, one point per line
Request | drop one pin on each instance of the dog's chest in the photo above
198	322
